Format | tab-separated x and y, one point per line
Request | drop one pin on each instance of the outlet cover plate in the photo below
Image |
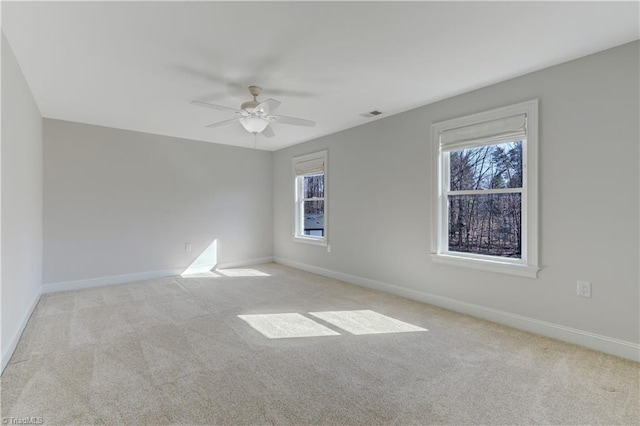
584	288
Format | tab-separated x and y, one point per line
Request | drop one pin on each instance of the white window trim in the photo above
527	266
318	241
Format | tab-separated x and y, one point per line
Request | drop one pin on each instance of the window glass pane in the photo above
486	224
313	186
486	167
314	218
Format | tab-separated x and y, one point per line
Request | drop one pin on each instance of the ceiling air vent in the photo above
371	113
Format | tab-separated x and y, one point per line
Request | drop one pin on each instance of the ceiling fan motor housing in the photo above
249	106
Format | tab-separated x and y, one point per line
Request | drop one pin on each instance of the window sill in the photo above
312	241
487	265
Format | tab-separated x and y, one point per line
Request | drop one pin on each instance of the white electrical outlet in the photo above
187	246
584	288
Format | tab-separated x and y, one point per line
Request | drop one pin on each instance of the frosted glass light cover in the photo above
254	124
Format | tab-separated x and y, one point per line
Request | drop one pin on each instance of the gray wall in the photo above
21	211
119	202
380	207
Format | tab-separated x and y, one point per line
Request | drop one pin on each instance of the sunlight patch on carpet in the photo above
366	322
206	274
237	272
279	326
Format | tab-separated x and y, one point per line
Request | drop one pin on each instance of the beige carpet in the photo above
274	345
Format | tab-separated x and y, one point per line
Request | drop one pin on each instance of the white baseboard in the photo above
247	262
8	353
109	280
621	348
139	276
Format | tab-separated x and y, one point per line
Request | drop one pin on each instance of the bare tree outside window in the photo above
313	199
314	188
310	203
481	223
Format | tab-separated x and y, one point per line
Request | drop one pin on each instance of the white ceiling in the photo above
137	65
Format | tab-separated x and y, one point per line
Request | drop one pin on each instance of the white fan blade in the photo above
268	132
293	120
221	123
214	106
267	107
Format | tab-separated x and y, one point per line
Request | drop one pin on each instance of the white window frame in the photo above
527	265
298	204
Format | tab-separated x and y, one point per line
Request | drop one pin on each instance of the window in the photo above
486	191
310	198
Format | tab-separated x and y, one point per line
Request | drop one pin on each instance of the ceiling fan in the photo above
256	116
